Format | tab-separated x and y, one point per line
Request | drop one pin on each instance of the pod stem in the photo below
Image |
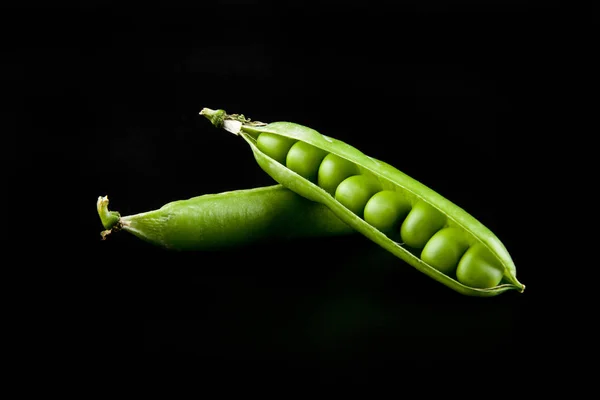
111	220
218	118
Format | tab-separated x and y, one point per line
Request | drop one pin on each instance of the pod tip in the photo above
110	219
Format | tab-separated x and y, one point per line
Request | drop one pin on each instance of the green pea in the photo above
333	171
304	159
386	210
275	146
444	249
479	268
420	225
354	192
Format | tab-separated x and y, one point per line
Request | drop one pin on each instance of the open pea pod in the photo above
437	237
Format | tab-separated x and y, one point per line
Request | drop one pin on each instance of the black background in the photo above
456	94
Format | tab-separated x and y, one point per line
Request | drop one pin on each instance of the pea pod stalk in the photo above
226	220
390	178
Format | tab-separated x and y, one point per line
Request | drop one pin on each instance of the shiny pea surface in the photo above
354	192
305	159
479	268
333	170
444	250
276	146
422	222
386	210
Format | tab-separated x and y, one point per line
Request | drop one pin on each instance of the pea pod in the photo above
429	211
224	220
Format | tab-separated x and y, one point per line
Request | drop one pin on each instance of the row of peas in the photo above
414	223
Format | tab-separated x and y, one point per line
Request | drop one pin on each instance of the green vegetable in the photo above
479	268
445	249
305	160
355	191
385	210
228	219
429	211
422	222
333	171
277	146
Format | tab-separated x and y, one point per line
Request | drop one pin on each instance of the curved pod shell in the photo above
390	177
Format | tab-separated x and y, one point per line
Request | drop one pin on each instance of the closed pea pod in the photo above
434	212
226	220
